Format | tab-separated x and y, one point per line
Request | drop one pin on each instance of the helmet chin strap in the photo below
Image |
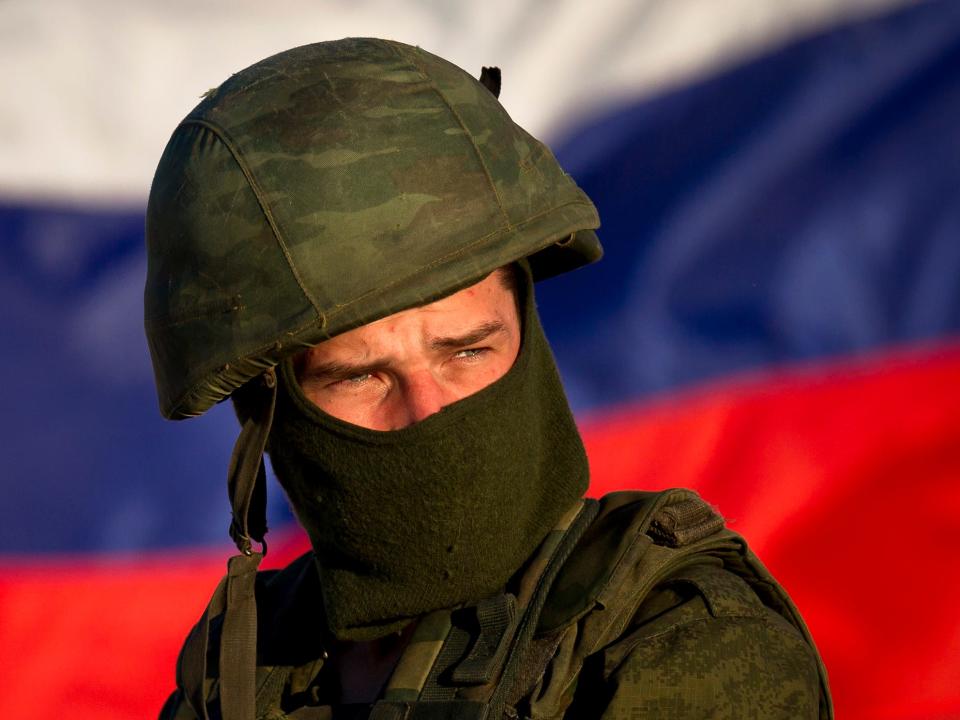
246	479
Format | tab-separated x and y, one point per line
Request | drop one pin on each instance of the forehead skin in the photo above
400	369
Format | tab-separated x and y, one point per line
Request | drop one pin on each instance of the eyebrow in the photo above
478	334
334	370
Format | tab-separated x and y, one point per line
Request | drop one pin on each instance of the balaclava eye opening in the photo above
439	513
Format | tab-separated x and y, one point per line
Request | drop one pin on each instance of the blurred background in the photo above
775	322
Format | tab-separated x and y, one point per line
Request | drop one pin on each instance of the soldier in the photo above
344	238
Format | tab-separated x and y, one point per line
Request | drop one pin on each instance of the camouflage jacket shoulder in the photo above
659	612
662	612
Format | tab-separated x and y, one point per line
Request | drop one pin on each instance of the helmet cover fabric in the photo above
329	186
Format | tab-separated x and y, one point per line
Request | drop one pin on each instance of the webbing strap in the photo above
497	617
192	664
454	647
255	403
417	659
238	645
684	521
528	623
233	603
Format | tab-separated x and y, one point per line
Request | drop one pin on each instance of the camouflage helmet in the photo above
329	186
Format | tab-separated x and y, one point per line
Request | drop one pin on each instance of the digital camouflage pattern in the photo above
673	620
717	652
638	624
329	186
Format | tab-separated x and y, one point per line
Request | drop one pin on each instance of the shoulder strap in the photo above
233	606
285	659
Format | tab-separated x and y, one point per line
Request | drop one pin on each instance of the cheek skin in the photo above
366	412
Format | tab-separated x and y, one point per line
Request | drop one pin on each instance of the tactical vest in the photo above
518	654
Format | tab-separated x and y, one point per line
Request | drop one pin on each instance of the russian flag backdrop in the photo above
776	322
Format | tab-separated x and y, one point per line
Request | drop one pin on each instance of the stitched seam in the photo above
463	126
161	322
264	207
213	366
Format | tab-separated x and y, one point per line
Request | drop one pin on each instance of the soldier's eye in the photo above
352	382
470	353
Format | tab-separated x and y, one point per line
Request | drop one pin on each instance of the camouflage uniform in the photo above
336	184
713	637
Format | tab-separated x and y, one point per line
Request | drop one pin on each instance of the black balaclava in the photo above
439	513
